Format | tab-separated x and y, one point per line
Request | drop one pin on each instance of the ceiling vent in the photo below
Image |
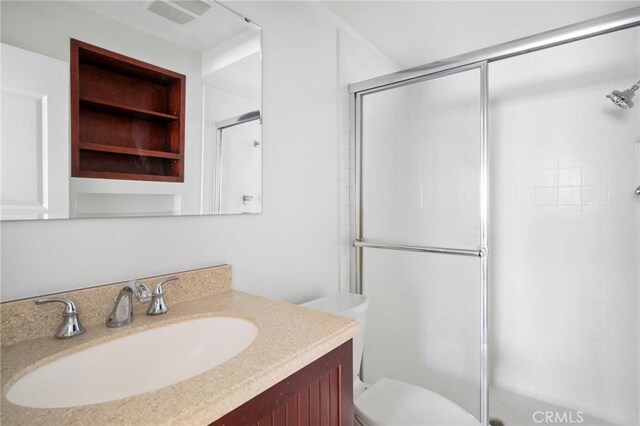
180	11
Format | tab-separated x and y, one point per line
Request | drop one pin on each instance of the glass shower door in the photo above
421	234
238	156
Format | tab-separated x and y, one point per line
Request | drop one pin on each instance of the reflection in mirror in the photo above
238	164
129	108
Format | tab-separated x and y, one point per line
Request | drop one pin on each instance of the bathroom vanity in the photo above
319	394
295	370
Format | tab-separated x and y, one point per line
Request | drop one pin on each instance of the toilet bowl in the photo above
388	401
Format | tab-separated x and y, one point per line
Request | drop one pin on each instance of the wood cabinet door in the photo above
320	394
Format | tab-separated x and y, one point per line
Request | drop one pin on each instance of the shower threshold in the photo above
518	410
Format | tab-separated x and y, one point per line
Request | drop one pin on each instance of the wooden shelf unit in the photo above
127	117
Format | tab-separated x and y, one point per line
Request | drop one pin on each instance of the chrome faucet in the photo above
158	307
122	313
71	325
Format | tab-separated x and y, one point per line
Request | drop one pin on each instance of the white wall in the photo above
565	252
289	252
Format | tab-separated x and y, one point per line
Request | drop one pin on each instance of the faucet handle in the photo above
157	305
141	291
69	309
158	289
71	325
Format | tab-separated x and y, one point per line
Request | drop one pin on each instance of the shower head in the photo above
623	99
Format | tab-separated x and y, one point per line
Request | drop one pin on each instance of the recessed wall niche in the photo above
127	117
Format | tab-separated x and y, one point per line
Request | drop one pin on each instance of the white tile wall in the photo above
565	227
423	323
421	186
421	163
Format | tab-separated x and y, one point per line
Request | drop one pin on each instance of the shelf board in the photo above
115	149
127	176
120	64
125	110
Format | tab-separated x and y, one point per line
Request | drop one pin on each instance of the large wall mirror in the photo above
129	108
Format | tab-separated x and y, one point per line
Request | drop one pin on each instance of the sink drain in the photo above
496	422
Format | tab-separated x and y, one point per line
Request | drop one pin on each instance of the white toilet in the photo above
389	402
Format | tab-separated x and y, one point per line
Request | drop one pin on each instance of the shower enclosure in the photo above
511	159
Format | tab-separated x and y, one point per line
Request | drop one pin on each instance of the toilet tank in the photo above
348	305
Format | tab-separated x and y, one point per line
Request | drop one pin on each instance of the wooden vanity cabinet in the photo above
319	394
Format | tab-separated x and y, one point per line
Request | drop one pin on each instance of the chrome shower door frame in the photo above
606	24
481	251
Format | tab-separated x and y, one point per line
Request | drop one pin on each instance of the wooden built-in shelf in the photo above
124	110
127	117
129	176
99	147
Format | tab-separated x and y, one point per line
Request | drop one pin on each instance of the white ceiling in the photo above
413	33
215	27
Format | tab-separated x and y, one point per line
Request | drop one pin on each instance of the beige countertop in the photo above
289	337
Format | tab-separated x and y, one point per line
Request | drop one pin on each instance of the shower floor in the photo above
519	410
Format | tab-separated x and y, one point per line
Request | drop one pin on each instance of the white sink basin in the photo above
134	364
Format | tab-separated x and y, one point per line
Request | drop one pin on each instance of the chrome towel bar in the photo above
480	252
